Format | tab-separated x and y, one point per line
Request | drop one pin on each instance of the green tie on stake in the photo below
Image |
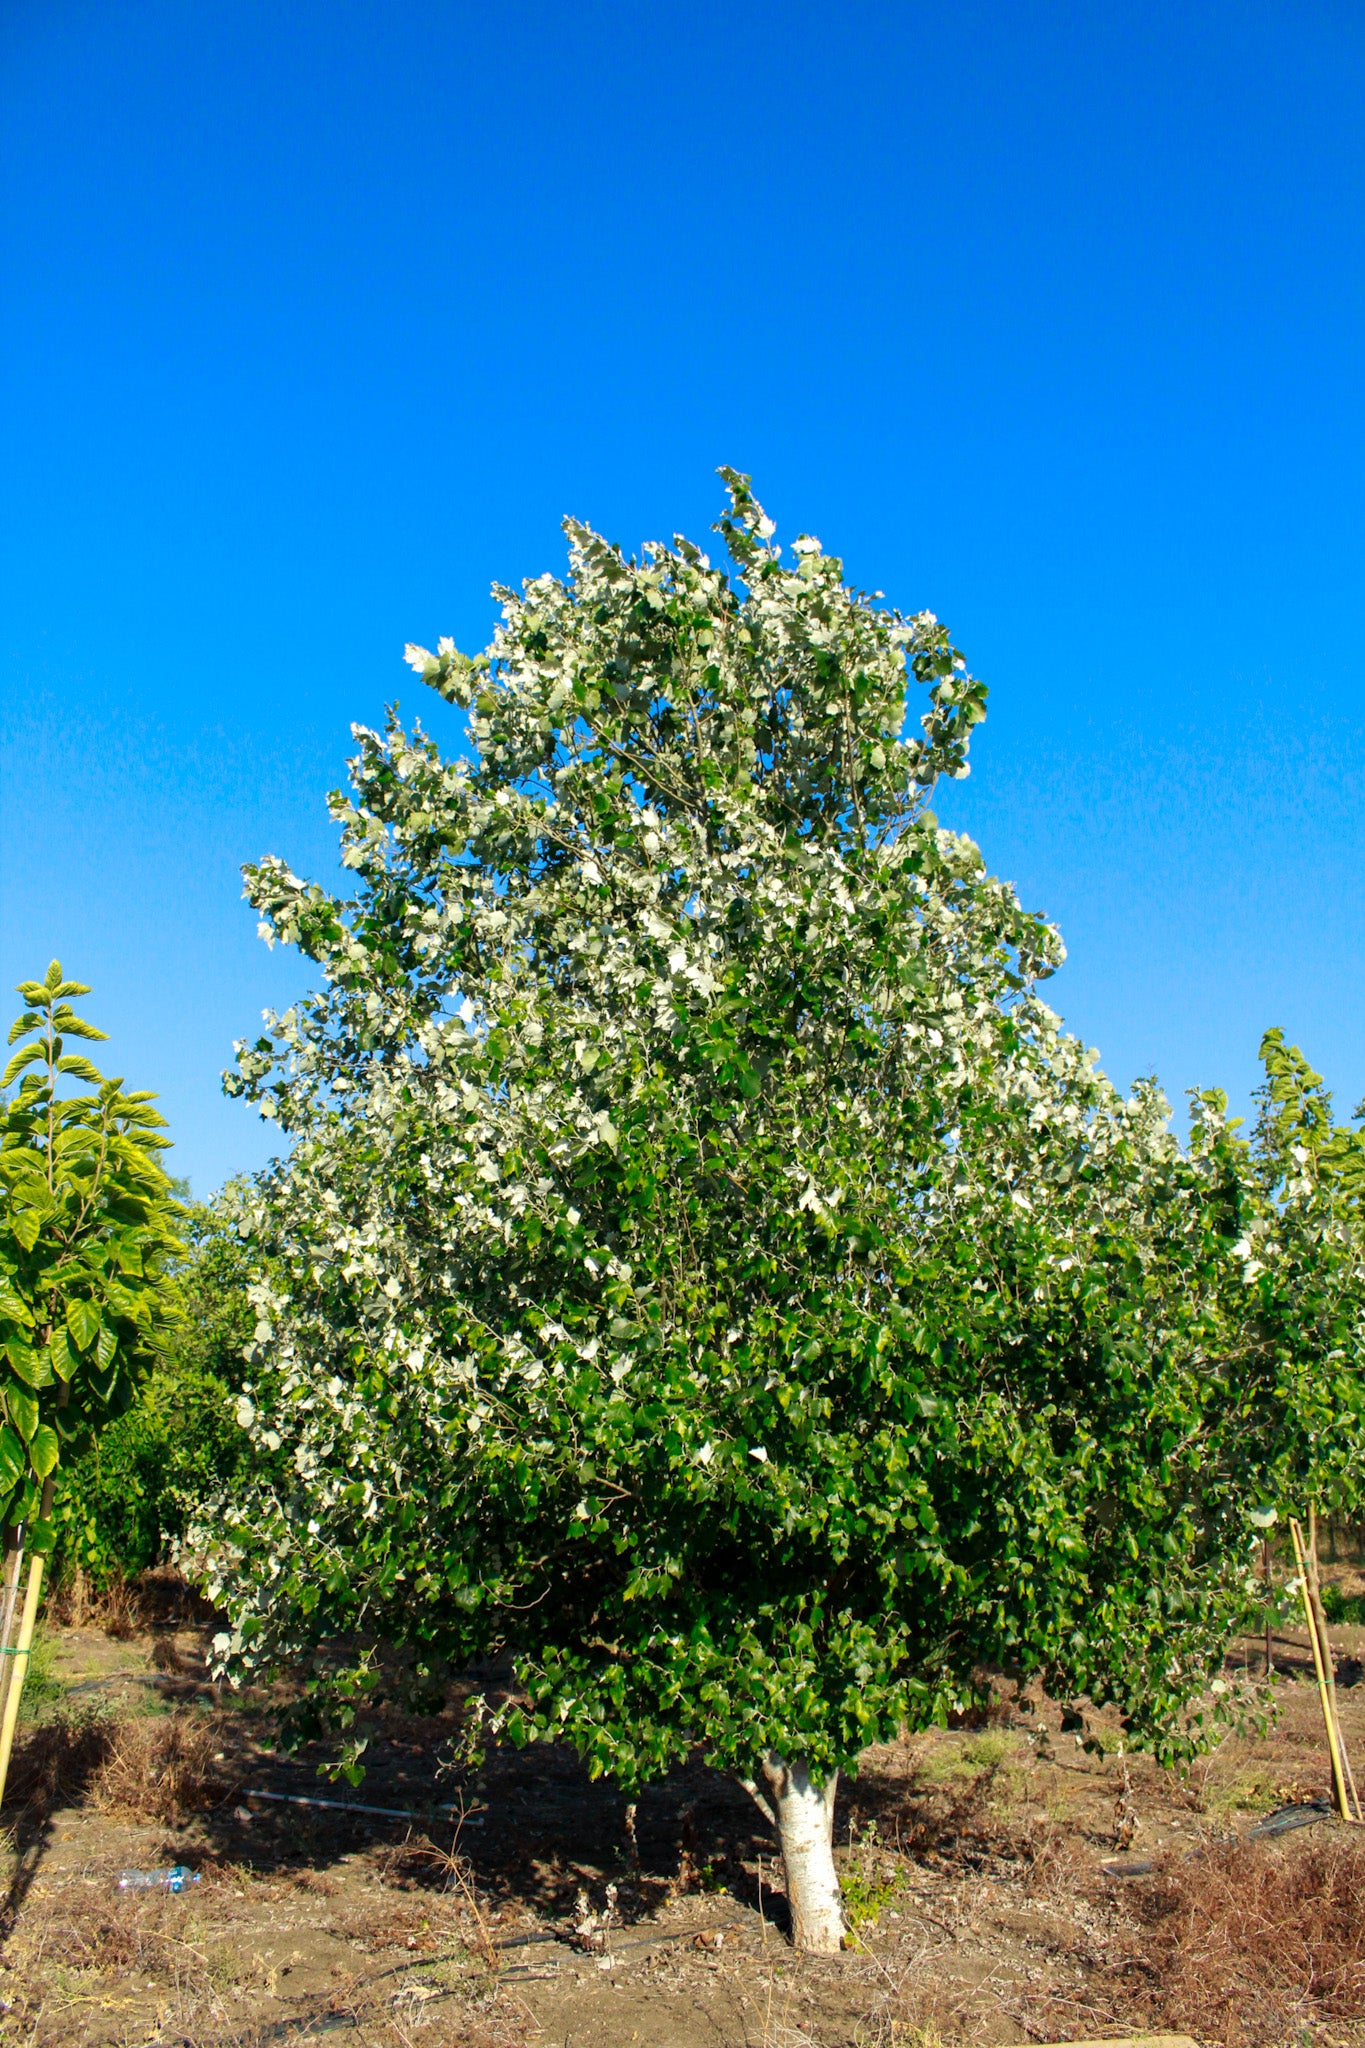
87	1240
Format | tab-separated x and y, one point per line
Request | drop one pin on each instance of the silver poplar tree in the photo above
703	1266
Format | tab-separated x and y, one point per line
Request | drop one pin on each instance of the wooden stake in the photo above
23	1649
22	1653
1340	1794
1320	1620
9	1600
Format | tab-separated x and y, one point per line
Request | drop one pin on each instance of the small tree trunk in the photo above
804	1815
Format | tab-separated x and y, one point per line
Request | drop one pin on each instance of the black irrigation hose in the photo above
1286	1818
1282	1822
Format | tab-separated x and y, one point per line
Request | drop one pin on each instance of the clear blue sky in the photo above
316	319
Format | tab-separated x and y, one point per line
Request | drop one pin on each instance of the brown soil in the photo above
974	1863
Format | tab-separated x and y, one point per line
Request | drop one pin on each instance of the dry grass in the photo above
144	1767
117	1607
85	1949
420	1864
124	1608
1244	1943
161	1769
117	1934
55	1763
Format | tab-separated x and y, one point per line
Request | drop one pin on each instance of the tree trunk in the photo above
803	1814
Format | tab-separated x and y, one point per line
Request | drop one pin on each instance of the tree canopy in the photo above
87	1231
704	1266
87	1235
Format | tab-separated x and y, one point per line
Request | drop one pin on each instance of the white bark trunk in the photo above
804	1813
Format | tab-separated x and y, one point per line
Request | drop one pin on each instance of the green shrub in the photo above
1343	1607
869	1879
124	1502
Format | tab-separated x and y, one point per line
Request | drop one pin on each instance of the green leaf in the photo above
13	1459
106	1346
44	1450
42	1538
30	1365
25	1057
83	1321
13	1306
27	1225
70	1025
64	1359
28	1022
102	1384
23	1408
28	1183
76	1063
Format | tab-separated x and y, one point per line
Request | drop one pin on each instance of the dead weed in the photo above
56	1762
1244	1941
116	1934
123	1607
161	1769
140	1768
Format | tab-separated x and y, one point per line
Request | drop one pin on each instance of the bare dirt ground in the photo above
974	1864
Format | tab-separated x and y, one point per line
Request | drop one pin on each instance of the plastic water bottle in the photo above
173	1880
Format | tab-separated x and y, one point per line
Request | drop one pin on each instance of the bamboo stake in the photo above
1328	1665
23	1649
1338	1775
9	1600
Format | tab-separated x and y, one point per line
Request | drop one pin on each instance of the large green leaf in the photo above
64	1359
76	1137
44	1450
83	1321
13	1460
23	1408
29	1363
14	1306
76	1063
71	1026
25	1057
27	1226
102	1383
